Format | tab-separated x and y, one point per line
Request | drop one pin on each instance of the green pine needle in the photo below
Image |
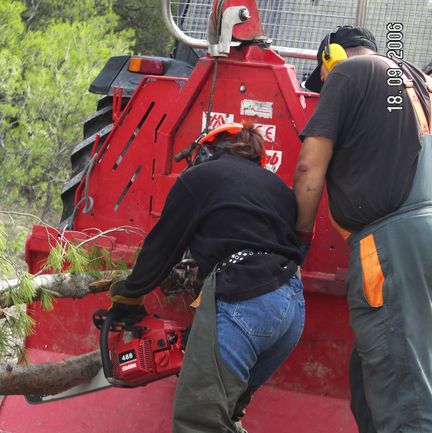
46	298
77	258
26	290
55	259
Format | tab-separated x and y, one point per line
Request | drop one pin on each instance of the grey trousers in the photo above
390	302
393	325
207	393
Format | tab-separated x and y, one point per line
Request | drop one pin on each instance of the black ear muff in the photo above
203	154
333	53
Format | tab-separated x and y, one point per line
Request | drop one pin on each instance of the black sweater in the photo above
218	208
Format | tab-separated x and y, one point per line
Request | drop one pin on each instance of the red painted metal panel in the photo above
121	181
149	409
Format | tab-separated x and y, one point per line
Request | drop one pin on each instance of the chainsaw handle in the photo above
103	343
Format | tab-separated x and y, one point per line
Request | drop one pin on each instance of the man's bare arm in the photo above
309	179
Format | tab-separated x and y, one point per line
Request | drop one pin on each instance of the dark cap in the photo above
347	37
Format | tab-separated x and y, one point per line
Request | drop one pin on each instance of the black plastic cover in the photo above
115	74
103	81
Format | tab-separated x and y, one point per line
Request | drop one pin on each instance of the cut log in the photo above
63	285
48	378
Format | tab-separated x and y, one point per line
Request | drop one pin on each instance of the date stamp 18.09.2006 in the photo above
394	47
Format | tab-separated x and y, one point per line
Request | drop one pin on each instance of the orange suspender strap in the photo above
343	232
415	102
421	116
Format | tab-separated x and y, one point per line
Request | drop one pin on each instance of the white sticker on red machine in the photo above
268	132
250	107
128	367
273	160
216	119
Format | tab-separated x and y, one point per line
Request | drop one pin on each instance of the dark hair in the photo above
248	143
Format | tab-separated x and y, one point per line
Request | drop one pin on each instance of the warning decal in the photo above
273	160
216	120
268	132
250	107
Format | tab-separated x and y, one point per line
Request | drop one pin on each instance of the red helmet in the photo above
231	128
198	152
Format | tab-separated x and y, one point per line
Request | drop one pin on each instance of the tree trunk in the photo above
63	285
48	378
48	201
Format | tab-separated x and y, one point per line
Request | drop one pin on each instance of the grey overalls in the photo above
207	392
390	302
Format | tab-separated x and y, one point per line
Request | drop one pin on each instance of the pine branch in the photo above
64	285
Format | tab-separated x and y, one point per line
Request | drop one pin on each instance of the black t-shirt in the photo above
375	149
218	208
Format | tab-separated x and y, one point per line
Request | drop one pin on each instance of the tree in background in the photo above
38	12
50	52
46	67
144	16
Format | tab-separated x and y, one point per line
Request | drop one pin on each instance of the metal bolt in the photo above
172	338
244	14
242	88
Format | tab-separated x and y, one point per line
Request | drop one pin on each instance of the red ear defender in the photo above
263	158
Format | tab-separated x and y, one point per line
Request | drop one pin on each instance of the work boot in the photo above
240	429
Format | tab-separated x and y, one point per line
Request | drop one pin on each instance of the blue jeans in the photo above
255	336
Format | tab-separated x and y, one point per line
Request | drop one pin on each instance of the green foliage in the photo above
25	292
43	98
15	324
79	259
11	86
55	258
36	12
142	16
72	257
99	259
14	327
12	241
6	265
51	50
46	300
145	17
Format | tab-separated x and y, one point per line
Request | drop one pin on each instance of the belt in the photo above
239	257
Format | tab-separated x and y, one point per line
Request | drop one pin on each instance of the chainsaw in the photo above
132	354
139	353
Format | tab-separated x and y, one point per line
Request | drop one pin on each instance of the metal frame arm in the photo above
298	53
176	31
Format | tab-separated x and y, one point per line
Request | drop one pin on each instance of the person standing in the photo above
370	142
237	219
